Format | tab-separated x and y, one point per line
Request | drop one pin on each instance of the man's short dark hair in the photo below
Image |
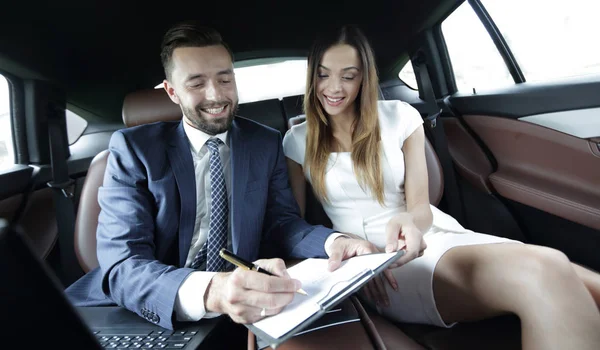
188	34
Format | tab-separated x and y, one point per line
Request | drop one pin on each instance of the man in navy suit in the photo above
174	192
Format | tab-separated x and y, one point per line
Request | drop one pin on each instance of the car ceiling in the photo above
101	50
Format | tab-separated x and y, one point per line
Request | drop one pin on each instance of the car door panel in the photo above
38	219
14	180
582	123
543	168
470	159
542	140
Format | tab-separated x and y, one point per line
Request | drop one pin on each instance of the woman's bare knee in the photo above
497	278
544	265
538	284
463	283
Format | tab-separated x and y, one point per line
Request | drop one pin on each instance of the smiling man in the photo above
175	193
203	85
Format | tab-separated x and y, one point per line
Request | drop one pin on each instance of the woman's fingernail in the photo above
395	287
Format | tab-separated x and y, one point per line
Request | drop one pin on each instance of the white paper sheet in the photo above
318	282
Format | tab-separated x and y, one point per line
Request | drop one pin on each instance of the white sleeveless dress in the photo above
355	211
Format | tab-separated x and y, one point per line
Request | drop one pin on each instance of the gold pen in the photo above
239	262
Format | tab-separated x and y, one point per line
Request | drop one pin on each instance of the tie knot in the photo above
213	144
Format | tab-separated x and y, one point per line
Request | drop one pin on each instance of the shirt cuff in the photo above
189	304
330	240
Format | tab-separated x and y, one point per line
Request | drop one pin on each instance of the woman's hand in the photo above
353	245
402	233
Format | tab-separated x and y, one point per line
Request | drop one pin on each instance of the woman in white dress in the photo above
365	160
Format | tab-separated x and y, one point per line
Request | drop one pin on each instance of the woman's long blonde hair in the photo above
365	135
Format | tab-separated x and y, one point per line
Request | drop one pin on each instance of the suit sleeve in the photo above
283	224
131	274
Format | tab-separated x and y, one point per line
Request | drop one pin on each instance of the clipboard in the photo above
343	313
338	292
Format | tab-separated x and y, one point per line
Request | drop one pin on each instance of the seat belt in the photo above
61	184
437	136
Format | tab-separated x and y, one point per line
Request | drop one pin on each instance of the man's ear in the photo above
170	91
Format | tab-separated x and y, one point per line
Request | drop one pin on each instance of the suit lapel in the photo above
239	177
183	168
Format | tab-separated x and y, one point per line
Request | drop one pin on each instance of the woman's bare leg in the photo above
537	284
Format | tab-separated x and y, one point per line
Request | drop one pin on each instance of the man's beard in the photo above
209	125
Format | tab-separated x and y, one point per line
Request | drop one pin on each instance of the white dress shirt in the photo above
189	304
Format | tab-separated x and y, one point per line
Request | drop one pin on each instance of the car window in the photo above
273	80
7	155
561	43
407	75
476	62
75	126
262	81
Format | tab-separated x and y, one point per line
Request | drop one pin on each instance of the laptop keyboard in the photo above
142	339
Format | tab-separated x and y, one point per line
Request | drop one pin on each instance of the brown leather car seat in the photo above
140	107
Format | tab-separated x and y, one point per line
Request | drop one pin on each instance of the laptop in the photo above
36	314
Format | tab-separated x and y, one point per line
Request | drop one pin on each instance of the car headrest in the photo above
296	120
149	106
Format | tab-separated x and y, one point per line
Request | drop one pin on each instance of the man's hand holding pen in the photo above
264	287
248	296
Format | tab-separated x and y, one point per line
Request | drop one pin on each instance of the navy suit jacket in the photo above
148	211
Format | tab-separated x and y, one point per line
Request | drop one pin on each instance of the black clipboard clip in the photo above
352	285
